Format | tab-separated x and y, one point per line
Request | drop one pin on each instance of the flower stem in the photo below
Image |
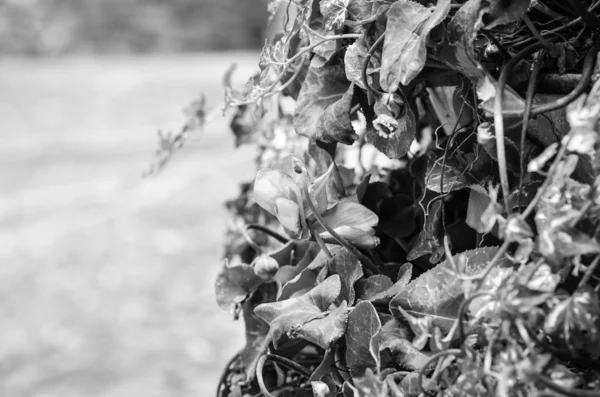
266	230
259	376
289	364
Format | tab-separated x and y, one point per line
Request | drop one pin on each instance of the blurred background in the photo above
106	278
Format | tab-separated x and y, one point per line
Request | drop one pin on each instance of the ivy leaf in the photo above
363	324
256	329
334	13
454	179
325	368
393	336
428	242
307	316
334	124
306	279
405	273
404	51
346	265
234	283
367	288
355	57
322	87
438	292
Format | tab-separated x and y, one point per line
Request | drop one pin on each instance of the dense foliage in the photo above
425	216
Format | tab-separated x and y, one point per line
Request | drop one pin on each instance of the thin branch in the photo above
266	230
259	376
431	360
286	362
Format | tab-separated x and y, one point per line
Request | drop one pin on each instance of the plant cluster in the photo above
425	217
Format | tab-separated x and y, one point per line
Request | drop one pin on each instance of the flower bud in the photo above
265	267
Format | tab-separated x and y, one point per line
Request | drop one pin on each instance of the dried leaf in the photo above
404	52
354	58
438	292
363	324
322	87
394	132
234	283
346	265
307	316
334	124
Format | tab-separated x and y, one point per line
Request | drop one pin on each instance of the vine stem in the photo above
588	273
537	65
286	362
363	74
259	376
343	242
266	230
431	360
499	118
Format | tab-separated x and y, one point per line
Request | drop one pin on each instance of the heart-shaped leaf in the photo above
438	292
404	52
322	87
393	336
405	273
334	124
234	284
363	324
307	316
347	266
367	288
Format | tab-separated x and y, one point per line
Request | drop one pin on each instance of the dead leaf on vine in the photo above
307	316
439	292
363	324
234	284
404	51
394	133
334	124
322	87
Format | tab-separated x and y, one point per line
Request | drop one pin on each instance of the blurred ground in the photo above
106	279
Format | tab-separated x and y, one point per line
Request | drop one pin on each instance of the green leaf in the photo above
322	87
334	124
346	265
438	292
398	216
234	283
348	213
307	278
362	11
256	329
393	336
355	57
478	203
363	324
404	51
307	316
405	273
429	240
369	287
334	13
454	179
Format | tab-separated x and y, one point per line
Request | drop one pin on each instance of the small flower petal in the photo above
348	213
272	184
288	214
361	238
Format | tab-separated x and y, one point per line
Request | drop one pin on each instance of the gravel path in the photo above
106	279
